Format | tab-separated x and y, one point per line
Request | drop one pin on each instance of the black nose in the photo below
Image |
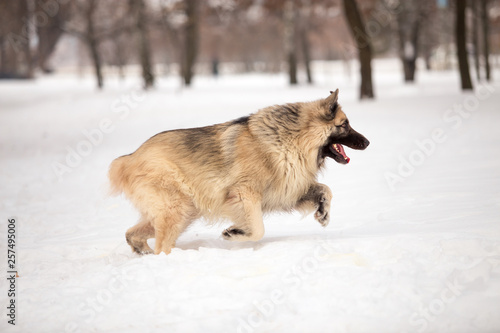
362	143
366	143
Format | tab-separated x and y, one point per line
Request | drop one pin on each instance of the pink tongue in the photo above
342	152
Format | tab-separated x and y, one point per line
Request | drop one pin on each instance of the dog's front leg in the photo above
245	210
318	197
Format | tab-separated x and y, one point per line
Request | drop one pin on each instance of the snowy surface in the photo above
413	244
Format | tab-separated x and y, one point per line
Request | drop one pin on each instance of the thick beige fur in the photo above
237	170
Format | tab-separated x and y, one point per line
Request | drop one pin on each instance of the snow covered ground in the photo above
413	244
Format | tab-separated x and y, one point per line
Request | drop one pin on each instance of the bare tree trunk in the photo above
190	41
364	47
427	42
486	38
290	47
304	41
408	19
119	59
50	33
47	41
139	7
15	36
307	54
93	43
410	57
475	36
175	39
428	37
460	34
3	55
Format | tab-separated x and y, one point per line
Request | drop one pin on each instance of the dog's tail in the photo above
118	175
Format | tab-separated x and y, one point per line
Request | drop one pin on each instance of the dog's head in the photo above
317	129
338	131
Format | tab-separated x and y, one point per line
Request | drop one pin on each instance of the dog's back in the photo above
198	162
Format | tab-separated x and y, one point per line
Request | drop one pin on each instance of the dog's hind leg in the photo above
318	197
173	217
245	210
168	211
138	235
168	228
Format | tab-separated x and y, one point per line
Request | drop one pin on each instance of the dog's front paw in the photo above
322	214
232	233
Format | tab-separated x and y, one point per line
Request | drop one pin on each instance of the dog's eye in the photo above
344	125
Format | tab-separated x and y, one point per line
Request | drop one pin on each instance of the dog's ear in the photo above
334	95
331	101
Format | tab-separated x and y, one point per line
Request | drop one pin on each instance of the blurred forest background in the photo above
185	38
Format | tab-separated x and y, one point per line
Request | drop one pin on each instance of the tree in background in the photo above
460	35
238	36
486	37
412	17
409	23
15	52
94	22
171	21
429	35
57	13
295	18
481	37
475	36
181	23
363	44
92	41
119	51
248	34
138	9
290	37
190	42
305	45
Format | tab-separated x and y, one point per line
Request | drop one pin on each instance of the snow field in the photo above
413	244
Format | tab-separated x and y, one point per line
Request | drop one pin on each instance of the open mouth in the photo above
334	147
339	153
